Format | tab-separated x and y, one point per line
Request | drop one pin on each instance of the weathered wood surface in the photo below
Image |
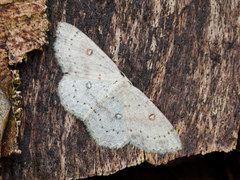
184	56
23	26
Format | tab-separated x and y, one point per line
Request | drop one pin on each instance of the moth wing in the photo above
127	115
78	54
80	96
106	122
88	78
147	127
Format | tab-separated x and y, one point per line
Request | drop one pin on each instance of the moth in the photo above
114	111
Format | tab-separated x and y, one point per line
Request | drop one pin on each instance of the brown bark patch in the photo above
25	25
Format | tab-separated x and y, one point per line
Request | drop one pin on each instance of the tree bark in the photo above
183	55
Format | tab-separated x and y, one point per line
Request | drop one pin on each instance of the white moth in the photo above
114	111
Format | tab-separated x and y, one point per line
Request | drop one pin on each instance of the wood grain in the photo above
184	56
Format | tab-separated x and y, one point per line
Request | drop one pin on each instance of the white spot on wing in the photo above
89	52
118	116
89	85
